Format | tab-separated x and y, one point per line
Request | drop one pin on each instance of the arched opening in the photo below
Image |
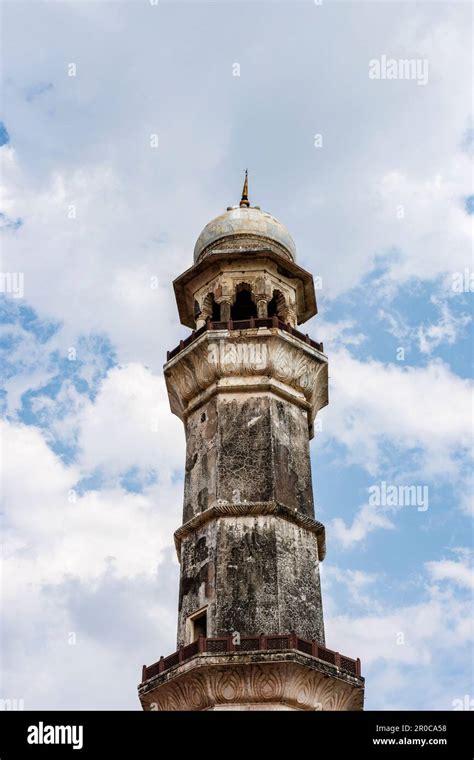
216	311
210	308
277	306
243	306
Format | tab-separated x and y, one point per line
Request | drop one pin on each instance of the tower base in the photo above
263	680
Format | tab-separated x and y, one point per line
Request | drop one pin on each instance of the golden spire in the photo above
245	191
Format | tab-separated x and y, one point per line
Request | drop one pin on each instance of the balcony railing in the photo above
243	324
260	643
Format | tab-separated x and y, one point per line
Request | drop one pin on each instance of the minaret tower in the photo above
248	386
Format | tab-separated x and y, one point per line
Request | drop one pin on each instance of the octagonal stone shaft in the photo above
250	557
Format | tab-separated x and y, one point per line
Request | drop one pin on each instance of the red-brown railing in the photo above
273	642
243	324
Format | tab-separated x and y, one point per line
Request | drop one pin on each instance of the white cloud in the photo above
342	333
434	234
375	404
101	566
446	330
53	533
423	409
396	324
367	519
458	571
139	211
92	278
427	336
130	425
358	585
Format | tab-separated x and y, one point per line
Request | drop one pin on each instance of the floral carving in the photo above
272	356
291	683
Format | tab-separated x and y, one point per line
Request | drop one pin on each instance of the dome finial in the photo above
244	201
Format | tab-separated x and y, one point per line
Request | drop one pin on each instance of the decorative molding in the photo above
253	508
222	263
243	681
262	283
242	243
266	353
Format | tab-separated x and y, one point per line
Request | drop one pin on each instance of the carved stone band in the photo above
224	361
285	680
253	508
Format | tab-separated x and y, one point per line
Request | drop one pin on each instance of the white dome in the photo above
246	223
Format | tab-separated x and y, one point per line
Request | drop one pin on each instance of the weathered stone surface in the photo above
267	578
254	574
247	448
253	508
258	361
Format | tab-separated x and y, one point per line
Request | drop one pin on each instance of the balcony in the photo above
243	324
273	642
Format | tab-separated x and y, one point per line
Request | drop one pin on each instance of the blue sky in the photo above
93	218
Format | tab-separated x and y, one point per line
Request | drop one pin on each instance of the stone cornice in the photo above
221	260
236	680
244	242
240	360
250	509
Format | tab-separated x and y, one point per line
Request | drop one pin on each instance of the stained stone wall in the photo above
243	448
256	574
